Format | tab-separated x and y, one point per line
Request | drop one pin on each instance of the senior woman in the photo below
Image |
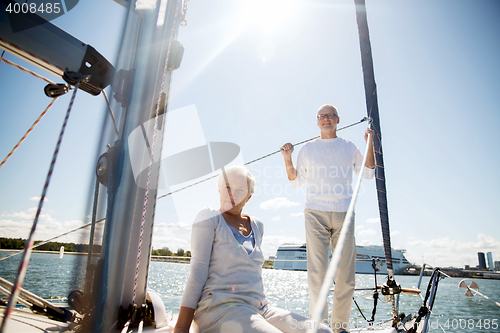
224	291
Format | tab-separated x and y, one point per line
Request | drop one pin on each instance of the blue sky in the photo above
256	72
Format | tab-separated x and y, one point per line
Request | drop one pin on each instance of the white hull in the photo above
294	257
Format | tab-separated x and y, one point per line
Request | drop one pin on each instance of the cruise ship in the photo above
294	257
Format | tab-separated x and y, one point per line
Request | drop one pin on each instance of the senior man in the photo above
326	165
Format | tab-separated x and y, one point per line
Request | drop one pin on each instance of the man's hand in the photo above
371	132
370	159
287	149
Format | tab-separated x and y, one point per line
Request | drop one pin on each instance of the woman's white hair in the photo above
238	169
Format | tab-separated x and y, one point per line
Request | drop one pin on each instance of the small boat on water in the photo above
294	257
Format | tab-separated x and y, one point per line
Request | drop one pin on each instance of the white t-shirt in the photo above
326	165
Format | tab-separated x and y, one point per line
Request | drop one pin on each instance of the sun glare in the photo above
268	15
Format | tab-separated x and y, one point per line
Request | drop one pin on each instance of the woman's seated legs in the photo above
290	322
244	318
234	317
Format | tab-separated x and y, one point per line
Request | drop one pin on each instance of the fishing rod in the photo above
260	158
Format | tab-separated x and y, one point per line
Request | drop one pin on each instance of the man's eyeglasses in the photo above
326	116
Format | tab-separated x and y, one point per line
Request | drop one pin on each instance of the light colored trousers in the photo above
241	317
323	230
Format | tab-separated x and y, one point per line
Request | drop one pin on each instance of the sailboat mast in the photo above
149	52
373	113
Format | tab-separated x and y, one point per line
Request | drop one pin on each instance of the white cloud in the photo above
179	228
38	199
483	243
395	232
361	231
270	244
297	214
365	242
29	216
450	252
172	235
278	203
365	232
19	224
373	220
276	218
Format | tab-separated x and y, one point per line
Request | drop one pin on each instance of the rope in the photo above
166	102
26	70
110	111
184	11
337	253
258	159
28	132
21	272
51	239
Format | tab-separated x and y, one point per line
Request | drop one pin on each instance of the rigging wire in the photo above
28	132
428	302
258	159
21	272
473	291
51	239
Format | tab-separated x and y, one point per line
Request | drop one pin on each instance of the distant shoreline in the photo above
51	252
180	260
186	260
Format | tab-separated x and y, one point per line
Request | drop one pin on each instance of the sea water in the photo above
52	278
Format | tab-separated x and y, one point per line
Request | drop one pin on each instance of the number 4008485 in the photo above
33	8
468	324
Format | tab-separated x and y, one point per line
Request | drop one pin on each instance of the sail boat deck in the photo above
24	320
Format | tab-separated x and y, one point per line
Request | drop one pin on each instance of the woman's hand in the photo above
184	320
181	330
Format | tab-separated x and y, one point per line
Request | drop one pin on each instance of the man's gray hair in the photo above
328	106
